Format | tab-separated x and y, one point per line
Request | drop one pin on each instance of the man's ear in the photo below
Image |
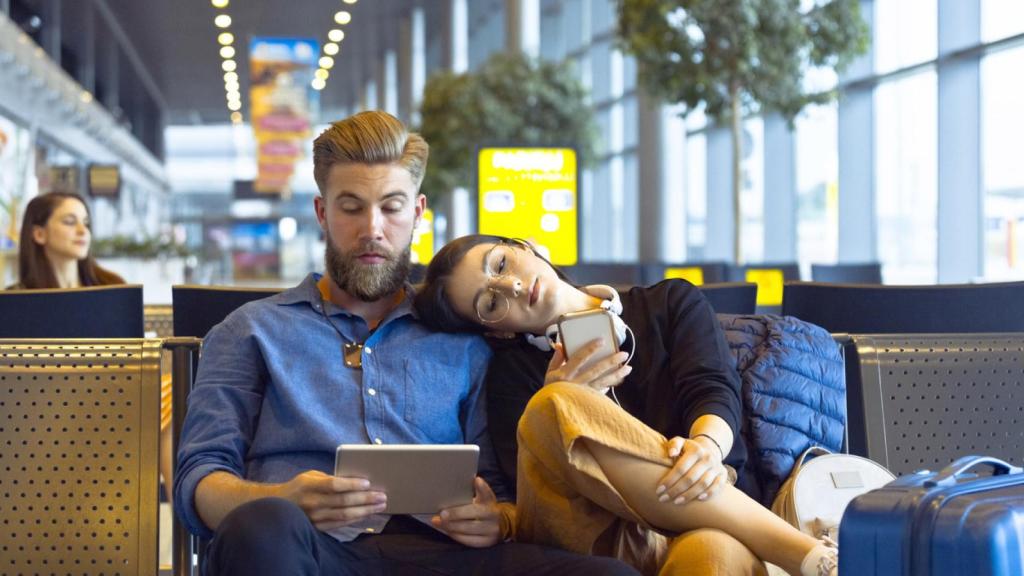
320	207
421	207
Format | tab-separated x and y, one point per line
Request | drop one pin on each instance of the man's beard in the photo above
368	283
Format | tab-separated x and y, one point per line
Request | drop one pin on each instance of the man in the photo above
342	359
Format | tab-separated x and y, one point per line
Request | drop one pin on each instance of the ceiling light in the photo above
318	84
222	21
232	86
225	38
330	48
227	52
335	35
229	65
234	95
234	105
321	74
236	117
219	3
230	77
327	62
350	1
342	17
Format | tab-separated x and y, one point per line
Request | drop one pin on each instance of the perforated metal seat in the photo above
924	400
78	456
159	320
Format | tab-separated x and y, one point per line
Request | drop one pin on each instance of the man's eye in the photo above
350	208
393	207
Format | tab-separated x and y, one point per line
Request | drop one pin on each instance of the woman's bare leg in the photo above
731	511
166	461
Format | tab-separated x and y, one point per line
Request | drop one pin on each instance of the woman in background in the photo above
54	247
54	252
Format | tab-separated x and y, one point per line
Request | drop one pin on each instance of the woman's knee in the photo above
710	552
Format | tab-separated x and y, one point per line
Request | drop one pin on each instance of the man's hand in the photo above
698	473
332	501
477	525
600	376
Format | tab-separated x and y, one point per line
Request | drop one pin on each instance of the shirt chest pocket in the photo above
433	392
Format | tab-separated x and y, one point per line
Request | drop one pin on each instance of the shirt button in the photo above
368	349
378	441
371	392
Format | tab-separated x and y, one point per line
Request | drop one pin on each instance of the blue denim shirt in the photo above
273	397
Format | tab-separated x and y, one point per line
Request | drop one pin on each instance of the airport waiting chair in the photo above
612	273
79	423
199	308
196	309
924	400
696	273
731	297
770	278
867	273
93	312
158	320
944	308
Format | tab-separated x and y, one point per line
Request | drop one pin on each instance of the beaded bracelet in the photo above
713	441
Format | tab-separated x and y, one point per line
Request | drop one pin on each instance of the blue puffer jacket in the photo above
794	393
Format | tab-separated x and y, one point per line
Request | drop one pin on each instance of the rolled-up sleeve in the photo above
223	409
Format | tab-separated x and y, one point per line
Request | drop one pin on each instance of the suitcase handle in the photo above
949	475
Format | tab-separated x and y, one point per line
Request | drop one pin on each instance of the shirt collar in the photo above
308	292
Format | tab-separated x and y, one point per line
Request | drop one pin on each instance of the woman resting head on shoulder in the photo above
660	456
53	251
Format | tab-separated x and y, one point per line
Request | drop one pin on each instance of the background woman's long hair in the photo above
34	268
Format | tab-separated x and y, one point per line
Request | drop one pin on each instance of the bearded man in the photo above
342	358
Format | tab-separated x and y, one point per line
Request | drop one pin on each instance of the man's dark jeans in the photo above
273	537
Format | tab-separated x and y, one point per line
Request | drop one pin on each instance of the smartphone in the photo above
577	329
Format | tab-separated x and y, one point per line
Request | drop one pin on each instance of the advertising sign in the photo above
423	239
531	193
281	101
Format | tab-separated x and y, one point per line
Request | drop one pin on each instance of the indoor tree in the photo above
739	57
510	100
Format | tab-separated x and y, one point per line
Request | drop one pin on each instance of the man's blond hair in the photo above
371	137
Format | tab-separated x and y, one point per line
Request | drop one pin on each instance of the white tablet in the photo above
418	478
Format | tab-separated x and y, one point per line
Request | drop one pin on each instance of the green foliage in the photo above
510	100
712	51
128	247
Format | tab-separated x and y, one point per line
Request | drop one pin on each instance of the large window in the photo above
696	196
817	182
906	33
906	178
1002	126
752	191
1000	19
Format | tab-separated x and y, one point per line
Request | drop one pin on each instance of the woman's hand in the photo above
601	375
698	473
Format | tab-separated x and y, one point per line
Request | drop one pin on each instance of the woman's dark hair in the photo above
431	300
34	269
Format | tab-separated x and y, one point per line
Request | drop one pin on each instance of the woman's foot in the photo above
822	560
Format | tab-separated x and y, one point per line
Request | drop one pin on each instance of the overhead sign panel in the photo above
282	101
531	193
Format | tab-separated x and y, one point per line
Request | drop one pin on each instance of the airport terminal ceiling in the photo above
177	41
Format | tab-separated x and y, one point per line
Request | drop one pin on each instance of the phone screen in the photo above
578	329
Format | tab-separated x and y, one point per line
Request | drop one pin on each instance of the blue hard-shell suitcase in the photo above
953	522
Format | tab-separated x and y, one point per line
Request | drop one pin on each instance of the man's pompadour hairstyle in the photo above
371	137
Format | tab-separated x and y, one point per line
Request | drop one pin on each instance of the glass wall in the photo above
817	183
1002	98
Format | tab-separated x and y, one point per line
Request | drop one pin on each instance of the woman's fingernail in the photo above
679	500
702	497
663	498
660	489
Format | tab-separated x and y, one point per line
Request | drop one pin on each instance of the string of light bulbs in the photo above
331	48
226	41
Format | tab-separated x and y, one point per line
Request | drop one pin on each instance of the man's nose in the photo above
374	224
